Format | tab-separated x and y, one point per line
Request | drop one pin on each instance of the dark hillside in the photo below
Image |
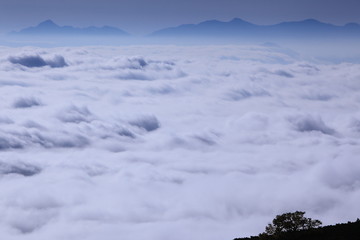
344	231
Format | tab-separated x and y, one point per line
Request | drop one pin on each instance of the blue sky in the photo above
144	16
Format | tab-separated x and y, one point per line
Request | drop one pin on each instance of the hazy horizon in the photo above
141	17
154	30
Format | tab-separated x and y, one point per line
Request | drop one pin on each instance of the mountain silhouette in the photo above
48	27
240	28
211	27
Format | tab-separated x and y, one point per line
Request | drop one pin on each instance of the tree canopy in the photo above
291	222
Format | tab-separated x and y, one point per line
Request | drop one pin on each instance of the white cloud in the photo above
37	61
215	143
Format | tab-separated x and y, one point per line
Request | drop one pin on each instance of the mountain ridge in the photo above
233	29
238	27
48	27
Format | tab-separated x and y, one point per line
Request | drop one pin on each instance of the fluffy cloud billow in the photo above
167	142
37	61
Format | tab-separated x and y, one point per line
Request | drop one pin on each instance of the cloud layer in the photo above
37	61
174	143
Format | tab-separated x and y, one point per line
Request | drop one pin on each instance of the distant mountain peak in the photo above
311	20
239	20
48	23
48	27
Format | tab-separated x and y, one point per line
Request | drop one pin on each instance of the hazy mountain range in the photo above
240	28
236	28
48	27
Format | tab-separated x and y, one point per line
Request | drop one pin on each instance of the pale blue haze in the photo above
142	16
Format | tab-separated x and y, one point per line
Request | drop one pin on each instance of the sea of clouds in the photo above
165	142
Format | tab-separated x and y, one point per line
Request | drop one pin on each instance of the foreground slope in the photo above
344	231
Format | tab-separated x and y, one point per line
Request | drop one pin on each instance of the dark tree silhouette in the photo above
343	231
291	222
